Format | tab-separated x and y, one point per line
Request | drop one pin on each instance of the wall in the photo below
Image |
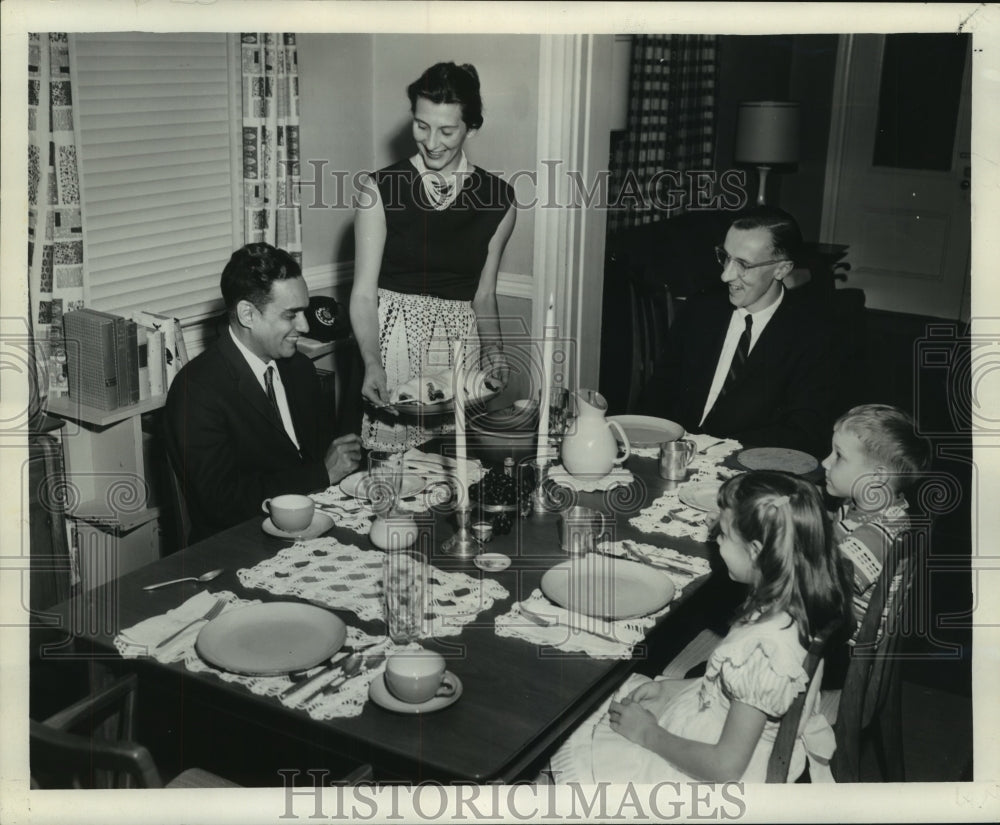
356	116
781	67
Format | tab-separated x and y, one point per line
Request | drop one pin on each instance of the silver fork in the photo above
213	611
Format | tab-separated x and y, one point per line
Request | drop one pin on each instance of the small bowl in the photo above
482	530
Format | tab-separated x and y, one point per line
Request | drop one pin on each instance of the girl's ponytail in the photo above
797	565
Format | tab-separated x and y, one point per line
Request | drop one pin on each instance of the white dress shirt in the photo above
259	367
736	326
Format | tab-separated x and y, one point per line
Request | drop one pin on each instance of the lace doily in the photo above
357	515
141	639
344	577
618	477
666	514
598	638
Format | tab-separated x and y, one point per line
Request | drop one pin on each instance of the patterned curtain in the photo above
55	232
671	125
271	140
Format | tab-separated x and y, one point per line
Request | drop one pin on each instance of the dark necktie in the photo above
739	357
269	387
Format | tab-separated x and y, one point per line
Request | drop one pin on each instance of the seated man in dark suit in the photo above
242	419
754	363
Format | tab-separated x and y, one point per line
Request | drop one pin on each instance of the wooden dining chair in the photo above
72	749
792	722
869	706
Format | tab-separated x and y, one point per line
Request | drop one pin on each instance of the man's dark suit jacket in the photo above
786	393
227	444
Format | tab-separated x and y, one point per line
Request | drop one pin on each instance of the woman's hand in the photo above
631	719
495	365
374	387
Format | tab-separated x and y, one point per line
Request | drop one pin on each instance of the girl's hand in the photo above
631	719
374	387
655	696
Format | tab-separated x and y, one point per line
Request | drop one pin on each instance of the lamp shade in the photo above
767	132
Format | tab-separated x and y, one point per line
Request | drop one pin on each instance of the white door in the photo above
907	223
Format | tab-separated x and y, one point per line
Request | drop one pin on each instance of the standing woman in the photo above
429	239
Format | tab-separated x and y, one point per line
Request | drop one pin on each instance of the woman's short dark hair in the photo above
450	83
786	237
251	271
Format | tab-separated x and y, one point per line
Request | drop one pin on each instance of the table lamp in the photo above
767	134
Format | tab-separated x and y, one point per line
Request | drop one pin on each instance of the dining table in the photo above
524	686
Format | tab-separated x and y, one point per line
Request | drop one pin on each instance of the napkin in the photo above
618	477
574	631
141	639
433	463
683	568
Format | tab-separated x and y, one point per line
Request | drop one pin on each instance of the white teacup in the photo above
290	512
417	676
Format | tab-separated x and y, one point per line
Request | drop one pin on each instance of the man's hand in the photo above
343	456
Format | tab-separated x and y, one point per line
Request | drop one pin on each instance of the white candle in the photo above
548	335
461	474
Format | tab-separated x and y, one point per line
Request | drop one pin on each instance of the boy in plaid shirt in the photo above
876	455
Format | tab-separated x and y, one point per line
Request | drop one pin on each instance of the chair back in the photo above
870	698
88	745
792	722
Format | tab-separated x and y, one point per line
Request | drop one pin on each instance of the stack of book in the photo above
115	361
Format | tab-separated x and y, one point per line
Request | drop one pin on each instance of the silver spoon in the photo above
350	667
370	663
204	577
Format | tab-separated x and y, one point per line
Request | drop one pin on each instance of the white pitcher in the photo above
589	448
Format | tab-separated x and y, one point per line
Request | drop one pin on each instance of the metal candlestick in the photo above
539	499
463	544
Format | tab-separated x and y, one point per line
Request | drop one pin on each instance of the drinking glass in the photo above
385	480
404	582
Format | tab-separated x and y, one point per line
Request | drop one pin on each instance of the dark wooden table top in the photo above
519	698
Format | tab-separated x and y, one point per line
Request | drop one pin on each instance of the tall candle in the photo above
548	342
461	471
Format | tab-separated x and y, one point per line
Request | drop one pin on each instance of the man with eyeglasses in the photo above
756	363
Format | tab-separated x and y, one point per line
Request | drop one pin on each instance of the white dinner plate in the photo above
271	638
700	496
610	588
321	522
777	458
381	696
356	485
420	408
647	431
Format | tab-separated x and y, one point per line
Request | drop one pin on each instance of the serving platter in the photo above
648	431
356	485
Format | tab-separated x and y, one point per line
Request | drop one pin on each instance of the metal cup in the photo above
675	457
579	529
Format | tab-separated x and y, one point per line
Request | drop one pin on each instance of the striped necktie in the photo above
739	357
269	387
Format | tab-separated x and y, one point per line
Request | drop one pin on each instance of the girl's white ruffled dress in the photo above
759	664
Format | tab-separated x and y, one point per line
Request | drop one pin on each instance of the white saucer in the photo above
380	695
320	524
492	562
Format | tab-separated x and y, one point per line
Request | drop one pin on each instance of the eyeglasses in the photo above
742	267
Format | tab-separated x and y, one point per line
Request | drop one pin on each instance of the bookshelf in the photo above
110	493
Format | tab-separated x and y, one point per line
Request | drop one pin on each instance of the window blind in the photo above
156	186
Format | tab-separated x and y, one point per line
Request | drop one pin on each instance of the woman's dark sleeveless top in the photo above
438	253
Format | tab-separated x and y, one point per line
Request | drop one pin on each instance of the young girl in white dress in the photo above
775	537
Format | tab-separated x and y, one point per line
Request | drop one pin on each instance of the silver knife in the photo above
543	622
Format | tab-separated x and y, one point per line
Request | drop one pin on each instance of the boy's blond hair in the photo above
889	438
